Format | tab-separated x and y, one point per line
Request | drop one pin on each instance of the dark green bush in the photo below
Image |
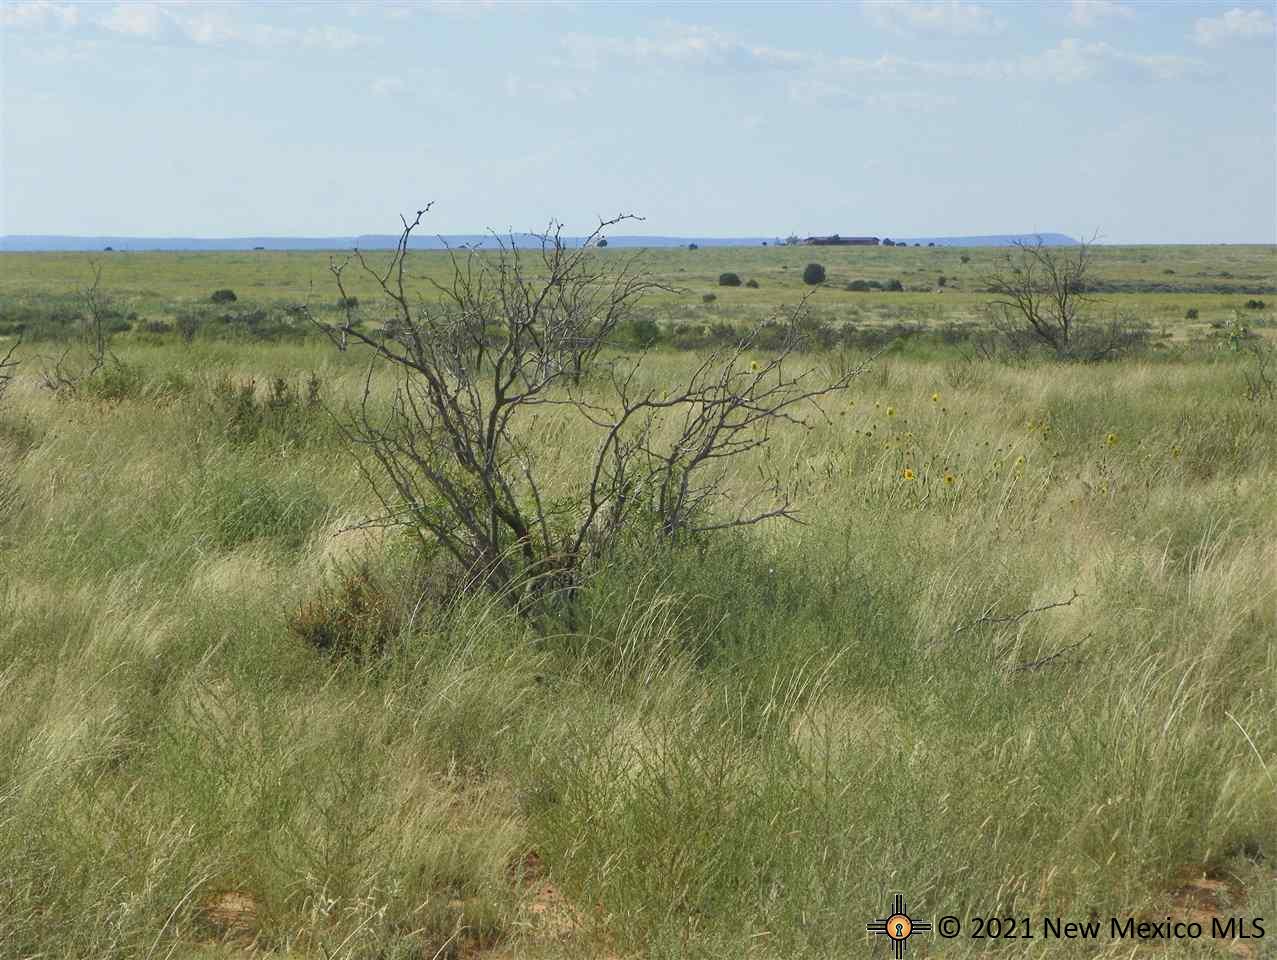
642	331
728	280
859	286
223	296
1255	304
157	326
813	274
895	286
709	297
1190	314
752	284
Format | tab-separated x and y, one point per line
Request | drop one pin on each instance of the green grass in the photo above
743	750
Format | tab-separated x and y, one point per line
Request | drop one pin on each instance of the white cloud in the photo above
333	38
1235	24
1072	60
912	101
558	92
205	24
1091	13
137	20
945	16
39	14
387	86
687	46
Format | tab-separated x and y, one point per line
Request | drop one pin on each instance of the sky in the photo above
1139	122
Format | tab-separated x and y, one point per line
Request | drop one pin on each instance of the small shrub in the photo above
895	286
347	303
752	284
157	326
115	381
1255	304
355	621
602	242
728	280
188	325
709	297
858	286
965	258
813	274
223	296
692	246
941	280
642	331
1190	313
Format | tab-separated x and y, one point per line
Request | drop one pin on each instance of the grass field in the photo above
1019	660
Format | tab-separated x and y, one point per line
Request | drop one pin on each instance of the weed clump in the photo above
285	412
729	280
354	620
223	296
813	274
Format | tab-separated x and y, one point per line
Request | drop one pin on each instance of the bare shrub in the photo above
7	366
514	333
1041	295
88	352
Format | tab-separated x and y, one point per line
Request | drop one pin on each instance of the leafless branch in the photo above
7	366
1050	658
514	330
1042	296
988	618
84	358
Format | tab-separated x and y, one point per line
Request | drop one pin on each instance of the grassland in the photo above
745	748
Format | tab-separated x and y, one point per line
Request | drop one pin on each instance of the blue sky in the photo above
1147	122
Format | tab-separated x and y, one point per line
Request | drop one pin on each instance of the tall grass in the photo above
745	748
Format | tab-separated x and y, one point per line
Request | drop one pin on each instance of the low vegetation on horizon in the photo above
572	604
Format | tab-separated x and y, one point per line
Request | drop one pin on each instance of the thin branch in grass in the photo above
8	366
1050	658
988	618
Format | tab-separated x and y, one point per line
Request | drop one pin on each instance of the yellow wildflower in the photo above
907	474
1111	439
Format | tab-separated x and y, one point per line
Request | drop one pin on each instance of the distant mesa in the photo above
58	243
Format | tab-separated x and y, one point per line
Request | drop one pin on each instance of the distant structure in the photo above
259	248
837	241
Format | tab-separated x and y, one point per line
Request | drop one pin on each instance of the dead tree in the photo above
514	334
8	366
1042	296
89	351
